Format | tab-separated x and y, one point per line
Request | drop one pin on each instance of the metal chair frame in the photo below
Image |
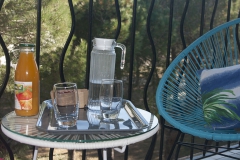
179	87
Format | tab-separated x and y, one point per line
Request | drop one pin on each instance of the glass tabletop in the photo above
26	126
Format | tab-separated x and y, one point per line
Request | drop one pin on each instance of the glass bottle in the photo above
26	82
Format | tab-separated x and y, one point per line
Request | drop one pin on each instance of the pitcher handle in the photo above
119	45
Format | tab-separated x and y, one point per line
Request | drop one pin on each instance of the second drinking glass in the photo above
110	96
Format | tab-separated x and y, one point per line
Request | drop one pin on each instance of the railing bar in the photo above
215	43
204	52
10	153
170	34
223	34
182	23
235	44
229	10
153	56
131	60
67	42
118	18
202	17
38	34
90	10
193	59
1	4
6	78
237	33
213	14
229	44
154	138
210	49
132	49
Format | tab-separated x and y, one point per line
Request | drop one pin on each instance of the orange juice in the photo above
26	82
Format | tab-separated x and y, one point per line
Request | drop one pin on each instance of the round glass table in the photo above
25	130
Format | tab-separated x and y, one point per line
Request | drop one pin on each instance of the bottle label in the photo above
23	95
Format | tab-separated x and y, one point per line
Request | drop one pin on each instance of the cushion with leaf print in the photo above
220	92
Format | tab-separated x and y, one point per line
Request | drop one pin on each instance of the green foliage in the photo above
215	106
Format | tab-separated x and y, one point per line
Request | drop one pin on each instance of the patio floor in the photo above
234	153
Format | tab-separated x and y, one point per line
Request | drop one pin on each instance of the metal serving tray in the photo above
89	122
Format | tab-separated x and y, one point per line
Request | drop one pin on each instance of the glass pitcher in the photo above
102	66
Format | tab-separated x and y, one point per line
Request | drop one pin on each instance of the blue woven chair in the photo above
178	95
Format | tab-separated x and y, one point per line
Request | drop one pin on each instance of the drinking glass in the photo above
66	104
110	96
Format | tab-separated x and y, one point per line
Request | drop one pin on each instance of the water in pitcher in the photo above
93	102
102	67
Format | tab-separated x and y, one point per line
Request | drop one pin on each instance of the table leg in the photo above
105	154
35	153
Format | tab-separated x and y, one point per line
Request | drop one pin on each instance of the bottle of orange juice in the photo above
26	82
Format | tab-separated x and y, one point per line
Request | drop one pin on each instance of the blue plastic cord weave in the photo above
178	96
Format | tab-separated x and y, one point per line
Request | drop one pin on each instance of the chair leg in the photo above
162	121
229	144
192	148
174	145
126	153
100	157
151	148
179	145
205	147
51	154
70	154
83	154
35	153
33	149
217	144
10	153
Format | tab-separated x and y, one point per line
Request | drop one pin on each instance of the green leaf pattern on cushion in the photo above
214	103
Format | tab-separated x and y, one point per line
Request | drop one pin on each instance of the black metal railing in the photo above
172	6
4	84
